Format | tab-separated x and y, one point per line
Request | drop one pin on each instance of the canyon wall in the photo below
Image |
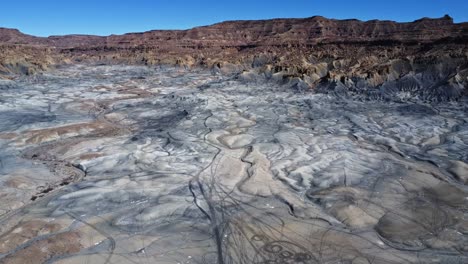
426	58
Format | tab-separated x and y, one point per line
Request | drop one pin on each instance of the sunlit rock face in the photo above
125	164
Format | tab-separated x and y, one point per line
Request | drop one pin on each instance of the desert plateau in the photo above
309	140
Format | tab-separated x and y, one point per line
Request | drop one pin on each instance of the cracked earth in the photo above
127	164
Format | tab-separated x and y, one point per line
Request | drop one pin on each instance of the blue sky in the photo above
104	17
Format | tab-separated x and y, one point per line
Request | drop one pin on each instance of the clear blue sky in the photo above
104	17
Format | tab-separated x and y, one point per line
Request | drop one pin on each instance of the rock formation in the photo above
225	156
426	58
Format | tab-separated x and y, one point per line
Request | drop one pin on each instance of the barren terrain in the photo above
136	164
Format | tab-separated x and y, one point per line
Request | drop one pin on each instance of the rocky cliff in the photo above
426	58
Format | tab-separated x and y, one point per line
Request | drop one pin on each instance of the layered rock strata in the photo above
426	58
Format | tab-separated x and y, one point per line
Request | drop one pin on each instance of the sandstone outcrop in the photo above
426	58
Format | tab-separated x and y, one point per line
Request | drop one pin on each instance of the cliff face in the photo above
425	58
278	32
272	32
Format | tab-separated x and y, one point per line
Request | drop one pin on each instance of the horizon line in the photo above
233	20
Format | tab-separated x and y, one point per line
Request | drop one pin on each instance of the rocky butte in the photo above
308	140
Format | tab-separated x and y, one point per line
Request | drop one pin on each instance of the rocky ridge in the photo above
426	58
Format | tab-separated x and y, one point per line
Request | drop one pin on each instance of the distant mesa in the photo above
316	29
428	53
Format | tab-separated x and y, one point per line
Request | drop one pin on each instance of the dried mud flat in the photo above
126	164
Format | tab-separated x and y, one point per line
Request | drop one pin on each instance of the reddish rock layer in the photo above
264	33
315	50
